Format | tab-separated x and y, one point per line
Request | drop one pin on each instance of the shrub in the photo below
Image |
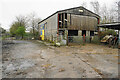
107	32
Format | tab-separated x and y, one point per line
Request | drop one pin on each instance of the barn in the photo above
70	26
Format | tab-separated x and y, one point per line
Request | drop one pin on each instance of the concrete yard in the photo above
37	59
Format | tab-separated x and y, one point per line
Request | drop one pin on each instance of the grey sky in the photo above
43	8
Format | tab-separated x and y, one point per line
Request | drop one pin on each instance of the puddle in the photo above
26	64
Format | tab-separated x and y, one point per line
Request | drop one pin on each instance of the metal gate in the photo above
70	39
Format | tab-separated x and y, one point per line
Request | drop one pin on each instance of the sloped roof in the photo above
115	25
68	10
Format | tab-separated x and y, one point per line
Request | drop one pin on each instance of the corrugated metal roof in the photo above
115	25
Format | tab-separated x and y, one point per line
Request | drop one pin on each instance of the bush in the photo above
28	36
20	31
107	32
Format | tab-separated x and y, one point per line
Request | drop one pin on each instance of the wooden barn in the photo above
73	25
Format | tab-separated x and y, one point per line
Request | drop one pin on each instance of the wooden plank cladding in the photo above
77	22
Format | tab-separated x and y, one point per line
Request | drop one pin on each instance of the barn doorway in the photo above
91	33
71	34
83	32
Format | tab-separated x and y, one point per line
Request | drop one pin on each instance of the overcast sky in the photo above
9	9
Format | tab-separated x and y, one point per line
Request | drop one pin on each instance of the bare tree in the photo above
113	15
84	4
109	15
104	14
119	11
22	20
33	23
96	6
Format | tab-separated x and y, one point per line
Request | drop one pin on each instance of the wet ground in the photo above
36	59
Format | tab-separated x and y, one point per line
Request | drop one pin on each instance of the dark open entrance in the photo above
63	20
91	33
72	32
83	32
60	21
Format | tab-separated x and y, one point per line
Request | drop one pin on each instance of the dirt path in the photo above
33	59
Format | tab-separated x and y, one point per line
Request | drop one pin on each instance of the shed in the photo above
115	26
69	25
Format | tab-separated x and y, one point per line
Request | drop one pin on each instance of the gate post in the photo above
66	36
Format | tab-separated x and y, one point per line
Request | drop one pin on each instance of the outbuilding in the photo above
74	25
